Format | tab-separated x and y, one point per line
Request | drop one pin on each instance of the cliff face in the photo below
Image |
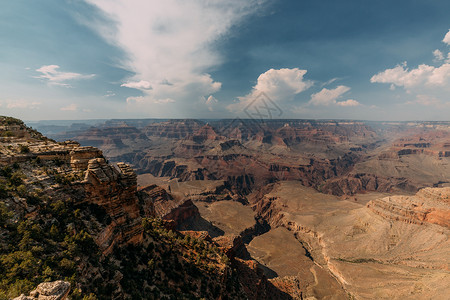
114	190
429	205
354	183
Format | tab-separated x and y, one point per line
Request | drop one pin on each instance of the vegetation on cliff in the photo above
52	229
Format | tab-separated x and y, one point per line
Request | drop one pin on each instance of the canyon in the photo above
301	209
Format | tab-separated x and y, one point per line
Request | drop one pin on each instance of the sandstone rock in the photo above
80	156
56	290
255	283
232	245
114	190
429	205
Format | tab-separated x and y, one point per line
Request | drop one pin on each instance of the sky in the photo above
307	59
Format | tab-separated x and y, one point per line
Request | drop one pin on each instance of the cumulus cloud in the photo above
145	85
170	44
429	85
423	75
447	38
327	97
438	55
277	85
56	77
132	100
163	101
70	107
349	102
283	83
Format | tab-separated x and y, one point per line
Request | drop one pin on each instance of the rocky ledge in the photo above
56	290
429	205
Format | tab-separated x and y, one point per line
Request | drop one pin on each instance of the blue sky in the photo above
375	60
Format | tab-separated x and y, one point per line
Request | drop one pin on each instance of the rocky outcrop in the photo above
114	190
177	129
255	283
180	211
232	245
429	205
361	182
56	290
80	156
290	285
433	143
157	202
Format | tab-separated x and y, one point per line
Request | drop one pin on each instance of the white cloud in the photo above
328	97
22	104
424	80
427	100
109	94
211	102
145	99
349	102
438	55
145	85
278	85
55	77
423	75
427	85
71	107
131	100
329	81
283	83
164	101
447	38
170	44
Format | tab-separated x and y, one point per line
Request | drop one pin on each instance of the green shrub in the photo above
16	179
6	171
24	149
7	134
90	297
3	190
58	162
5	214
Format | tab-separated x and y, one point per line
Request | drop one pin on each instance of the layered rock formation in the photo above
338	157
80	156
114	190
429	205
57	290
357	240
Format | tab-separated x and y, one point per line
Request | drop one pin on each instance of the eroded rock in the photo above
56	290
